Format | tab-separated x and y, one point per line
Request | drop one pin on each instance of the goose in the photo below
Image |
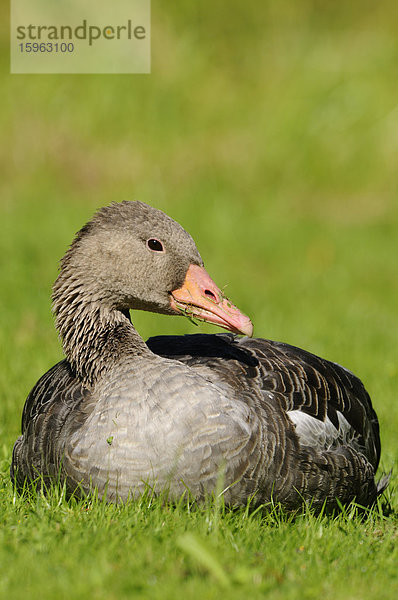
271	422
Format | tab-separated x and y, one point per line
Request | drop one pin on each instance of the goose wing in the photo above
38	450
328	405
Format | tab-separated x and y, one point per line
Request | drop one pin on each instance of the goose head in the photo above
133	256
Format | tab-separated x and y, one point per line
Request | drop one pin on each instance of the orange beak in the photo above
199	297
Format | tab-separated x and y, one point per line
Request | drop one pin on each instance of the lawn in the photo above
269	130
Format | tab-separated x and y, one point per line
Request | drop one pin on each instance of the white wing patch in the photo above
321	434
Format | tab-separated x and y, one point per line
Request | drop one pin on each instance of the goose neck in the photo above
95	337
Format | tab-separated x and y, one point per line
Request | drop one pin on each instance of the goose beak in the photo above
199	297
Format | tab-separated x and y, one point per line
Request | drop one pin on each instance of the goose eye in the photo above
155	245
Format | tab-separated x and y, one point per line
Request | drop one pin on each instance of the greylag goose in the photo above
178	413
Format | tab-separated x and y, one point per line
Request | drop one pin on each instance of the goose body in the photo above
183	413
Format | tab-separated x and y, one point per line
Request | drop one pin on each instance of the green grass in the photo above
269	130
151	549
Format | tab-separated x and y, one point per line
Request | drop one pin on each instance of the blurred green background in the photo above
269	130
